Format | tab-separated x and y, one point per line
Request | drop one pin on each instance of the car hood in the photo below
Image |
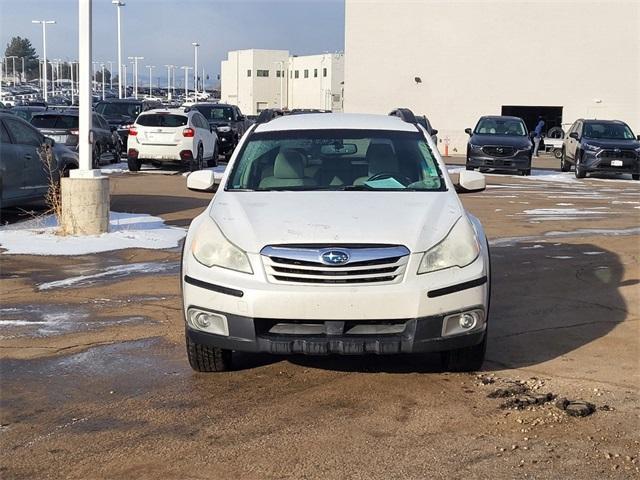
604	143
518	142
417	220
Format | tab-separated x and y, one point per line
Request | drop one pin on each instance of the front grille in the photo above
498	150
305	265
618	154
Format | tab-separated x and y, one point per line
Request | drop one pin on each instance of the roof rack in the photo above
405	114
269	114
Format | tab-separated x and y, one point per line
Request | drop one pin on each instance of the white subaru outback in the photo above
336	234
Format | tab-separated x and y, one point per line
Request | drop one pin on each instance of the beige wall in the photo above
316	92
474	56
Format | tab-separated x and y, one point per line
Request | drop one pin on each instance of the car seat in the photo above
288	171
380	158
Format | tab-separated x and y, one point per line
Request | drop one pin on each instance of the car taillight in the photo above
188	132
132	131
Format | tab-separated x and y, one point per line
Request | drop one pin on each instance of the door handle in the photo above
28	157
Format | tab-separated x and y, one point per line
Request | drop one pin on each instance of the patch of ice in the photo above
532	247
592	253
111	273
564	204
126	230
560	211
562	257
622	202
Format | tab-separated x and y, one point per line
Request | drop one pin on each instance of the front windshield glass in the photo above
608	131
125	109
216	113
336	160
500	126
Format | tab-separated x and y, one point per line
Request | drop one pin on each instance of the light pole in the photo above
281	73
23	77
124	72
150	67
44	24
94	78
119	4
169	67
186	80
13	70
195	69
102	67
58	74
110	74
72	92
135	74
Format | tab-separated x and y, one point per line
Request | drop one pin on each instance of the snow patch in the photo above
218	172
126	230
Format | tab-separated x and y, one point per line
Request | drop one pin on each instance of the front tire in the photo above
205	358
635	176
214	160
197	162
580	173
467	359
565	166
117	152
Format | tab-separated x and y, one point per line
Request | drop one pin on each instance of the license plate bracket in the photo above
616	163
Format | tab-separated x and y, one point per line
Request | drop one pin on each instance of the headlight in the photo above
224	129
591	148
458	249
211	248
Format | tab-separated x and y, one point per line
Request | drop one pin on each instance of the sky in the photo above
162	30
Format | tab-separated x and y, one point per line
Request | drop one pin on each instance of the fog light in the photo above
467	321
207	321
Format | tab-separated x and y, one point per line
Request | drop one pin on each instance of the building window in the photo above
249	73
315	73
278	72
296	74
324	72
262	73
306	74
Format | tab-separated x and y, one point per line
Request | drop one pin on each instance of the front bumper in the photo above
601	162
419	335
516	162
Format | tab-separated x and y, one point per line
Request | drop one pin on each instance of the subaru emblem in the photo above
334	257
617	150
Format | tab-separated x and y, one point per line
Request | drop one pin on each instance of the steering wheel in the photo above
396	176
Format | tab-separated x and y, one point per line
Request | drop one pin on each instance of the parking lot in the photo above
96	382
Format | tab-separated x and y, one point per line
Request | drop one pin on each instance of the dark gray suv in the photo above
601	146
499	142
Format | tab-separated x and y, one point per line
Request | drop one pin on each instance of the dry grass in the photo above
52	198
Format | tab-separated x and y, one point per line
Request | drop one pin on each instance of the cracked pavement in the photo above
96	397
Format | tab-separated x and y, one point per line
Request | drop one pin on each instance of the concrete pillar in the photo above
85	205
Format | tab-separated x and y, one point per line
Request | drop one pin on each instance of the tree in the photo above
21	47
107	75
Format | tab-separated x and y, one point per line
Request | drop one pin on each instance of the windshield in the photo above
500	126
161	120
55	121
125	109
336	160
215	113
608	131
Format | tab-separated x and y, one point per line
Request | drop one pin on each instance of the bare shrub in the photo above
52	197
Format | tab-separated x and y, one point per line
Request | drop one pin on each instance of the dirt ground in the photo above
95	382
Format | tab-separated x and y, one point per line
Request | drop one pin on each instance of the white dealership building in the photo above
259	79
457	60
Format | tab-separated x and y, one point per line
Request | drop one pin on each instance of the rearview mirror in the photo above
468	131
434	132
470	181
202	181
574	135
337	148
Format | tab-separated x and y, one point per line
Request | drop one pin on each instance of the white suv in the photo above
336	234
180	136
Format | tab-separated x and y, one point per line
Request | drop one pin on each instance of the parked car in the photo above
23	174
25	112
62	126
177	136
228	121
368	250
121	113
424	121
601	146
499	142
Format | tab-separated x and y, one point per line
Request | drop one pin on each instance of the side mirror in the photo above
49	141
241	118
202	181
470	181
638	137
434	132
468	131
574	135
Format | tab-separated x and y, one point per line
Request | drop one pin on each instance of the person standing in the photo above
537	136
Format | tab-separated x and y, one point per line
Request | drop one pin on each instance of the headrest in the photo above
381	158
289	164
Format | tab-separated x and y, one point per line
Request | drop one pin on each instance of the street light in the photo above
13	70
150	67
23	77
135	74
110	74
102	67
118	5
124	73
169	67
195	68
186	80
44	24
72	92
